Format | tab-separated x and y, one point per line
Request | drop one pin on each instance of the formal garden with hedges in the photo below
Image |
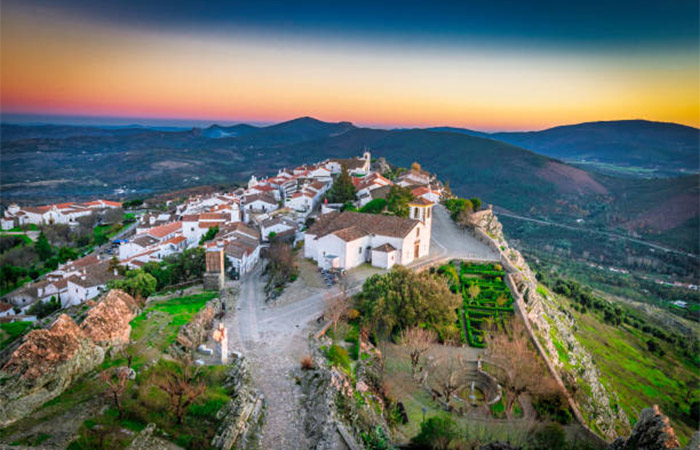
486	297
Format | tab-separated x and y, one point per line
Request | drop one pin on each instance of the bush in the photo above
307	363
437	433
339	357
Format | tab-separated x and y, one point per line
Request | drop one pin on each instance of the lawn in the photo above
11	331
639	377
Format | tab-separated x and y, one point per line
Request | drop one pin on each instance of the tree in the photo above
416	166
523	371
67	254
116	379
336	305
182	385
397	200
417	341
401	298
473	290
138	284
342	190
43	248
43	309
375	206
448	374
476	203
209	235
437	433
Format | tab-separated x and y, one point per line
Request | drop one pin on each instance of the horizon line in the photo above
97	121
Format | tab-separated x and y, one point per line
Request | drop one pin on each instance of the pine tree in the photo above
43	248
343	190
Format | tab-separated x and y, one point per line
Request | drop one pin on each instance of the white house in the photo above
278	225
348	239
357	166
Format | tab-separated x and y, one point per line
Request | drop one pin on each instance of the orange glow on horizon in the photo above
55	68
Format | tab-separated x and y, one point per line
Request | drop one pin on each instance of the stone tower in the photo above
214	276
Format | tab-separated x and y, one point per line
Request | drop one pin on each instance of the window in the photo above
418	232
359	251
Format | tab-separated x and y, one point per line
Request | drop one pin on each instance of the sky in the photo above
487	65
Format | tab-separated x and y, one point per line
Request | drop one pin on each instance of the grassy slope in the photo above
10	331
151	336
639	378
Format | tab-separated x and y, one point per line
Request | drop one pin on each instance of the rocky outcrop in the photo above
107	323
549	324
46	363
653	431
194	333
148	440
50	360
241	417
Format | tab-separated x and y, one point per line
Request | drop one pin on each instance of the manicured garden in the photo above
486	297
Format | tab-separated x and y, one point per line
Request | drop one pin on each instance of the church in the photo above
343	240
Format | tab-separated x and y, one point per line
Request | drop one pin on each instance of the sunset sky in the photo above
490	65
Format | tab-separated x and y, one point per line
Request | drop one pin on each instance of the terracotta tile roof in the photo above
386	248
350	164
5	307
190	218
351	233
211	216
209	224
367	223
175	240
164	230
267	198
421	202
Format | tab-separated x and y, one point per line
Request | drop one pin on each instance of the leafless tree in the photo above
336	305
117	380
448	375
416	341
523	371
182	387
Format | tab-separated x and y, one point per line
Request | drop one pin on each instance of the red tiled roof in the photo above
164	230
367	223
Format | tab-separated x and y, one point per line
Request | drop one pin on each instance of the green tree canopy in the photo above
401	298
43	247
342	190
137	283
397	200
210	234
375	206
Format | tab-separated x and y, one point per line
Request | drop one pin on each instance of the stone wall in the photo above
543	318
196	332
242	416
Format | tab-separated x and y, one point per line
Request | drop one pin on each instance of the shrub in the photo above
437	433
548	437
339	357
307	363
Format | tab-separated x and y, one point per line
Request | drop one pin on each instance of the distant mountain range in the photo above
46	163
663	147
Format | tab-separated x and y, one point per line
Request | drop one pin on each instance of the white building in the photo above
348	239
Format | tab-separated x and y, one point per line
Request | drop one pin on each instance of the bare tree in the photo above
117	380
448	375
182	388
335	309
523	370
416	341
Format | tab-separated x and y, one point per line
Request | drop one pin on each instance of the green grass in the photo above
639	377
11	331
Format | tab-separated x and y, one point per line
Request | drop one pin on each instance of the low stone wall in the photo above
241	417
196	332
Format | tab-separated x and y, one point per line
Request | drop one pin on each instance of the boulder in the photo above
43	366
653	431
108	322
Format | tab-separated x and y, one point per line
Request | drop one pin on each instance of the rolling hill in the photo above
665	148
138	162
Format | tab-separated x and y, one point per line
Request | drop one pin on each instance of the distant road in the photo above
587	230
